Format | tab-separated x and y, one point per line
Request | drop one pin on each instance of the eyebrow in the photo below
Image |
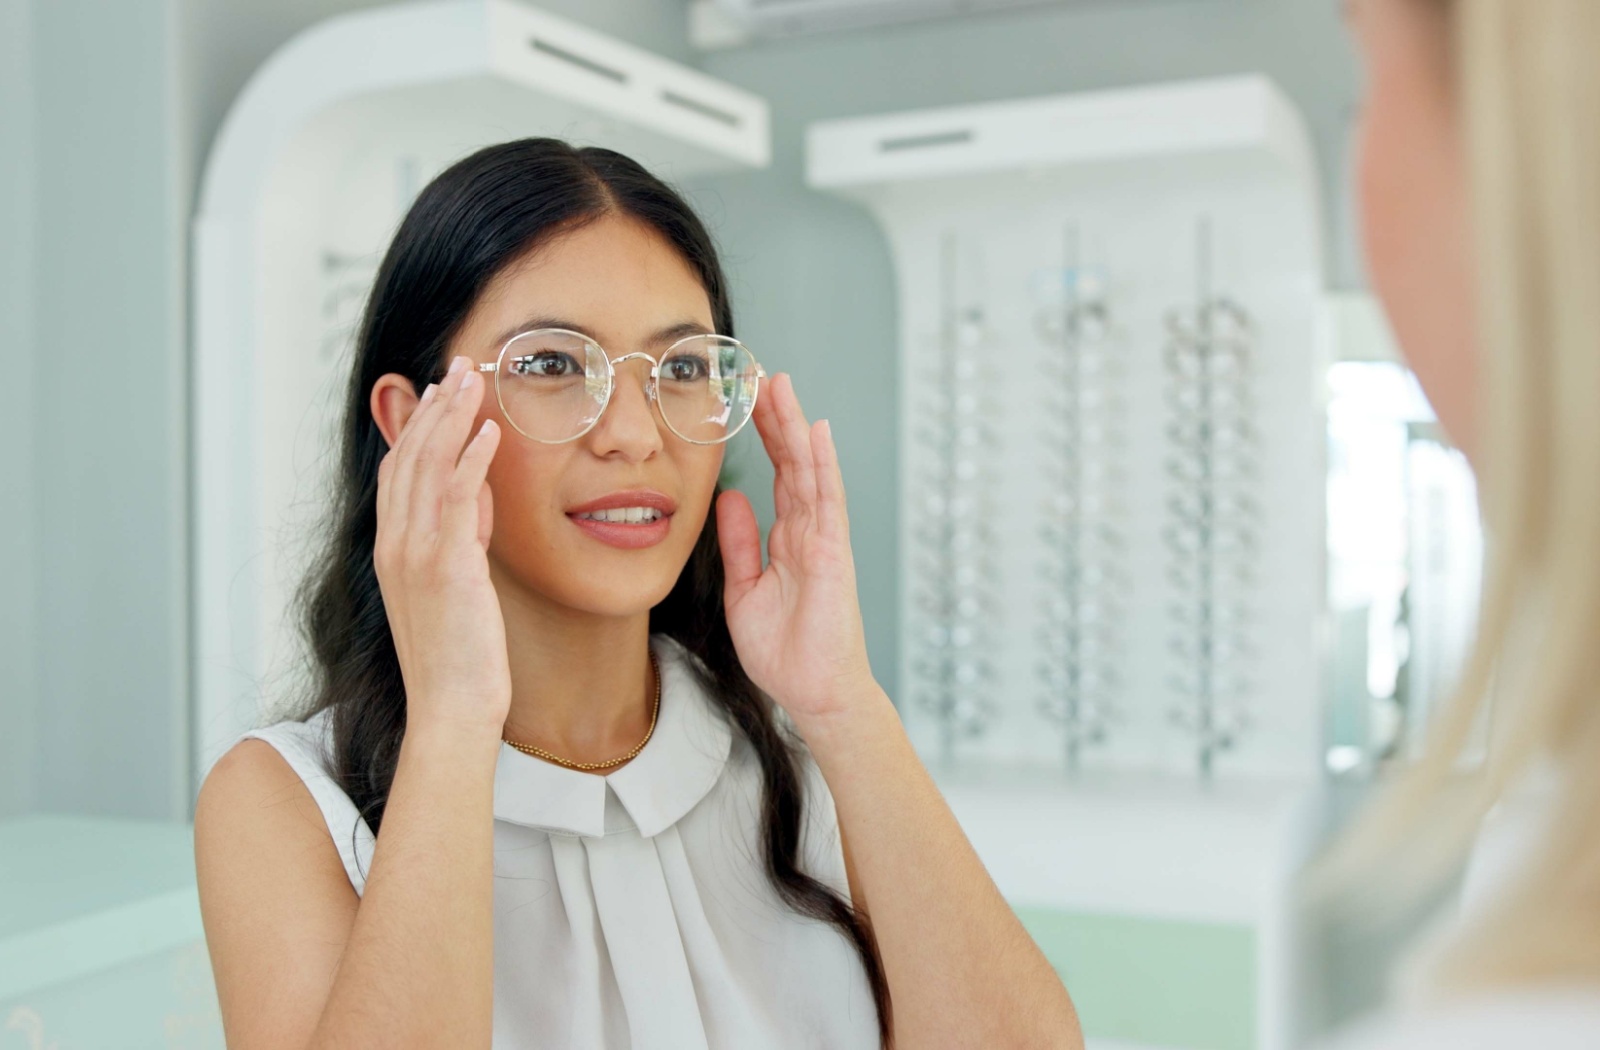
662	337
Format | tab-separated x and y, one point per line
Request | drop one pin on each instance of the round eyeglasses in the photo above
553	384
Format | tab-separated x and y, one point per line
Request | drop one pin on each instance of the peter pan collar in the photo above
667	779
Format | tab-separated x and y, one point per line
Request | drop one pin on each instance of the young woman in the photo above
1480	180
580	770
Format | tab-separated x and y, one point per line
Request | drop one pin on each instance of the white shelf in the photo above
1240	116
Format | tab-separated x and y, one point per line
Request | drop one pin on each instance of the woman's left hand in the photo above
797	623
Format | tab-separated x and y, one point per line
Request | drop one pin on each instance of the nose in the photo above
628	427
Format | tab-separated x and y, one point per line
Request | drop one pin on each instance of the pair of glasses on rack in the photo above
554	383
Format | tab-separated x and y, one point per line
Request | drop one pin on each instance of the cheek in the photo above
1413	207
1380	185
522	477
699	468
1404	200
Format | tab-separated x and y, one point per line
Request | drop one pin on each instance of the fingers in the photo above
831	511
785	434
772	440
486	510
463	507
740	539
795	435
388	506
437	448
412	437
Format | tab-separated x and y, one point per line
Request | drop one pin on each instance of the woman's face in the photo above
1414	199
622	284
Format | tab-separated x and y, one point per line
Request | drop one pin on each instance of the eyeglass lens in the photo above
553	385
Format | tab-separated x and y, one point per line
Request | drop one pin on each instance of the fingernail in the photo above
457	365
427	394
469	381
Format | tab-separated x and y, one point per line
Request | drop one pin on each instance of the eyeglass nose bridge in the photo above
650	384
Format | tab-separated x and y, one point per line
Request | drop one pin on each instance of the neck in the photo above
581	685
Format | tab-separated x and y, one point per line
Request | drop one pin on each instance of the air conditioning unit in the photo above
769	18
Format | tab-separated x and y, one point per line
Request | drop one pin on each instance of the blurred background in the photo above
1161	553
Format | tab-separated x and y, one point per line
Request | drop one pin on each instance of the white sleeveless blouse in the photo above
633	910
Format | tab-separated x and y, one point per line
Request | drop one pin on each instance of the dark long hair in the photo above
479	216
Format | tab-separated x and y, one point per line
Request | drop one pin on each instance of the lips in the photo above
647	498
630	520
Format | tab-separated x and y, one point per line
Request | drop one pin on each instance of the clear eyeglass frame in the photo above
651	386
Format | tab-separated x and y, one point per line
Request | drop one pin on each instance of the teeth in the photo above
625	515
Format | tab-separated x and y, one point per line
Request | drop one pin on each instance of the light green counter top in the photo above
82	894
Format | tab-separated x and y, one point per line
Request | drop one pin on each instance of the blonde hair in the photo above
1529	91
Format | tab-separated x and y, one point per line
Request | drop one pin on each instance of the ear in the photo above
392	401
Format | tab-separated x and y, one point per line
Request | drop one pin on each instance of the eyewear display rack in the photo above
1112	359
1112	355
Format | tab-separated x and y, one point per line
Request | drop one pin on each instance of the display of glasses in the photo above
1212	518
1112	543
956	597
1079	603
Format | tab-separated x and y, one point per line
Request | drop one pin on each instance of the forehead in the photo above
615	278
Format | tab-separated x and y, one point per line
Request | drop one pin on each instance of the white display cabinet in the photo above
314	166
1084	449
1097	294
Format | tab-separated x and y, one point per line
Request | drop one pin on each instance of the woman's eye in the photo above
685	369
548	364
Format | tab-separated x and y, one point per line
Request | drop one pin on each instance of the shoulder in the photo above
269	765
257	829
277	905
245	771
1554	1018
279	781
253	791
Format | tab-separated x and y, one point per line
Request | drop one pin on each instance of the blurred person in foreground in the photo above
1480	204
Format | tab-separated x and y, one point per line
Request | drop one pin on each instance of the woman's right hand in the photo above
435	516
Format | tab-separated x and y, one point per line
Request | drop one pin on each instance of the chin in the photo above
625	599
620	584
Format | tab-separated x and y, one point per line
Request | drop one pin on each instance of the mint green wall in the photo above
109	416
19	682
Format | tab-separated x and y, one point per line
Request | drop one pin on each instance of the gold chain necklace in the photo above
539	752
